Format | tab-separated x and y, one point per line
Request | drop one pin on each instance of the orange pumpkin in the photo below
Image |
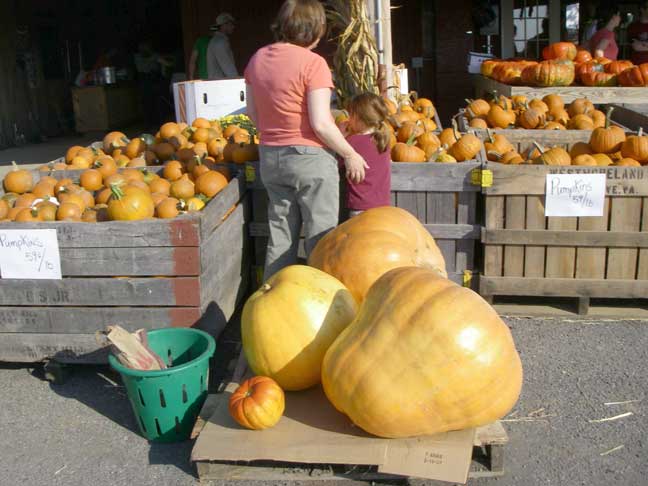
617	67
608	139
258	403
18	180
210	183
636	76
423	356
636	147
466	148
129	204
354	252
560	50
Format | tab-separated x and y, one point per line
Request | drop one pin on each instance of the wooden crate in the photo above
442	196
596	95
528	254
189	271
101	108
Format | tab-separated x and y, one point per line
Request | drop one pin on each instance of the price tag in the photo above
575	195
29	254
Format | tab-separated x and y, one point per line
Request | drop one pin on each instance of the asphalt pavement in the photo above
83	433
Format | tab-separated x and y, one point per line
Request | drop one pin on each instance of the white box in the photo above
475	60
208	99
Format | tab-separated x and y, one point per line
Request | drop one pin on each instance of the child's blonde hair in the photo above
372	111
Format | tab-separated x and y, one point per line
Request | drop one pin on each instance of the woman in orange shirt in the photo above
288	98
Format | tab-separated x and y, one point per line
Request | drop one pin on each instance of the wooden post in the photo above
385	21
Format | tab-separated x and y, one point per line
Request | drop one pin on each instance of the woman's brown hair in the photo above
372	112
300	22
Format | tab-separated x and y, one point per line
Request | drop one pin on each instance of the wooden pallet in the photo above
528	254
597	95
442	196
487	459
189	271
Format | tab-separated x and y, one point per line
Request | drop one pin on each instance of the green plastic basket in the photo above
166	403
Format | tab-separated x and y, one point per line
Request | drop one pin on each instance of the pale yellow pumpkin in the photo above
423	356
362	249
289	323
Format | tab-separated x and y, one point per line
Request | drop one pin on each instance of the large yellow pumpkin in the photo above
289	323
366	246
423	356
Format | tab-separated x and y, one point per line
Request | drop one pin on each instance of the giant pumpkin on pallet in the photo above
362	249
289	323
423	356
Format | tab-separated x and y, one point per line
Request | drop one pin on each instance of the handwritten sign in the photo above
29	254
575	195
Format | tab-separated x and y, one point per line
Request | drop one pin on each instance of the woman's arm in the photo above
600	48
251	107
321	120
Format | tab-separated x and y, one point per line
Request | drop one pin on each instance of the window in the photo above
530	27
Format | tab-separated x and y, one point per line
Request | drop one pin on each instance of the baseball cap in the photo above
222	18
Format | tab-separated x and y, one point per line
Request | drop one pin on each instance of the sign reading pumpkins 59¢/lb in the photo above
29	254
575	194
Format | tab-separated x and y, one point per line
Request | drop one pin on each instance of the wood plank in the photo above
567	238
28	348
413	202
534	255
590	262
625	215
181	231
515	218
142	261
597	95
560	261
642	262
493	254
531	179
443	231
441	209
543	137
465	245
101	292
88	320
433	177
226	240
214	213
565	287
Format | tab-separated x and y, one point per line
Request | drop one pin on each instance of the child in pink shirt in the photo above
370	138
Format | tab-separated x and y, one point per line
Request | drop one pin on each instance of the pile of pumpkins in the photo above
106	193
548	113
398	347
205	139
564	64
607	146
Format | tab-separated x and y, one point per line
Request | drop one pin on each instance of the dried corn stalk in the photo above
355	63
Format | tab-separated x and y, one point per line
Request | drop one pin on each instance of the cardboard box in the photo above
312	431
208	99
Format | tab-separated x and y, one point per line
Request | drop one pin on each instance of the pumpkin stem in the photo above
116	190
410	140
608	115
471	113
455	129
640	132
495	154
490	135
14	165
540	148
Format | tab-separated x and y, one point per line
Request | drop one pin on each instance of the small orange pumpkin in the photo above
258	403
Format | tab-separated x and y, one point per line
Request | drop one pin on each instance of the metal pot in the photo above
106	75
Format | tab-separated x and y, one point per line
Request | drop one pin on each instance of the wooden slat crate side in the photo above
412	202
629	117
534	255
441	209
466	214
625	215
433	177
218	208
642	263
597	95
561	260
564	287
65	348
515	218
101	292
88	320
511	180
591	262
493	254
132	262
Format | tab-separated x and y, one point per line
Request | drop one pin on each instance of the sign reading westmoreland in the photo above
575	194
29	254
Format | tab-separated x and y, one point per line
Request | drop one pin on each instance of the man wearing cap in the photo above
220	60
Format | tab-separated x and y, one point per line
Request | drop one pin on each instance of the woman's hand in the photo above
355	167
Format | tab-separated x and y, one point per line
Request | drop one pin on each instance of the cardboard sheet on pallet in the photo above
312	431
